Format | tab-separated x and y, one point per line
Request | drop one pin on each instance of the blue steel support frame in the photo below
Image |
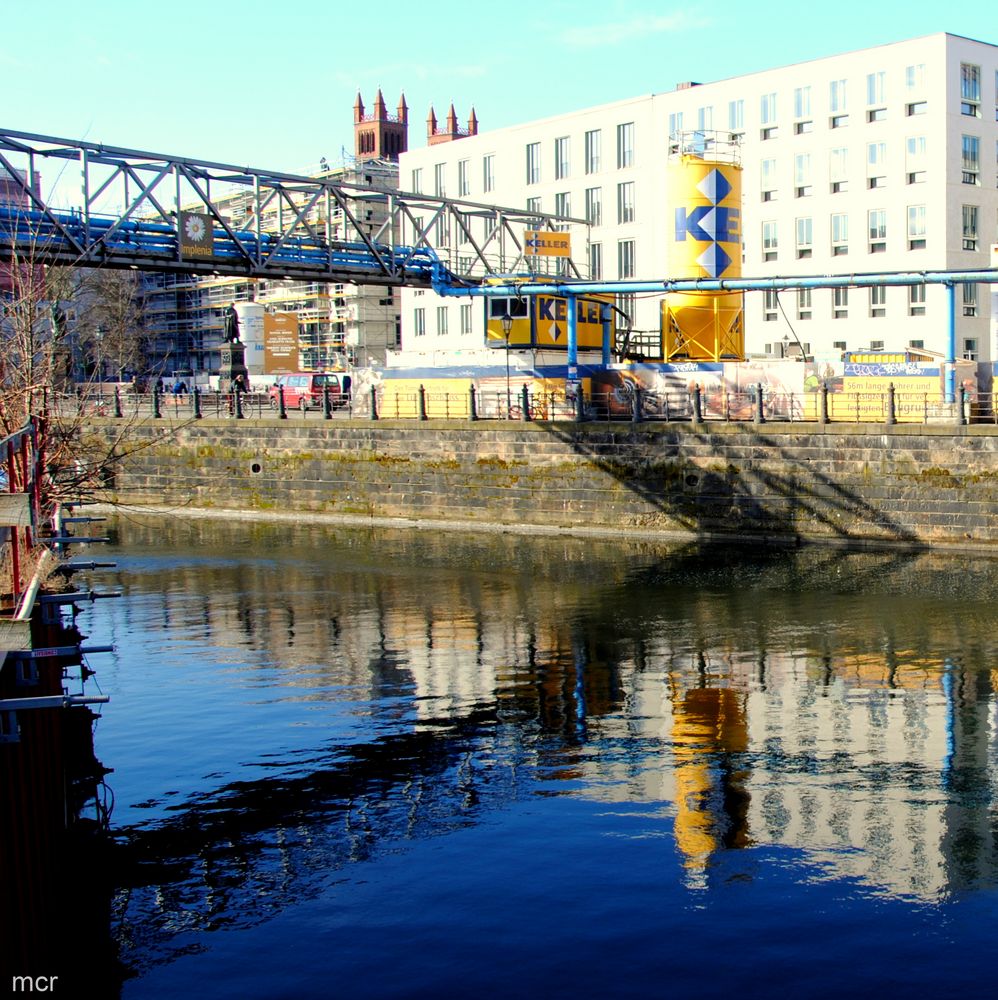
572	305
606	315
951	342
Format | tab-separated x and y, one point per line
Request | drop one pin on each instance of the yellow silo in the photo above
705	192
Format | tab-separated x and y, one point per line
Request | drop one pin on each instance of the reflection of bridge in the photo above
135	205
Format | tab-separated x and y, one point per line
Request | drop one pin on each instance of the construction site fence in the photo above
753	405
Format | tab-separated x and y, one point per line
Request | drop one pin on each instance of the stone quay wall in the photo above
854	484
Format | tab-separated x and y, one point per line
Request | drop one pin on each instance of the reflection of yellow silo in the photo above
705	190
709	726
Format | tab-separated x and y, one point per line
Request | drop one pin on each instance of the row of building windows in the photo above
876	167
592	153
876	232
876	302
419	320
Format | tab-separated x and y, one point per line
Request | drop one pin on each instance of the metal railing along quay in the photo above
755	404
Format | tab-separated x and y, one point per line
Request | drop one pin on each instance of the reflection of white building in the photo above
877	160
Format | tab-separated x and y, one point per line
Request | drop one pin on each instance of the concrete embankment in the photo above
862	484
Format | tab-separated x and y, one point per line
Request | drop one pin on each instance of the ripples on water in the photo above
407	764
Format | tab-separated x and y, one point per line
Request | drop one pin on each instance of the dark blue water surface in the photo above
407	764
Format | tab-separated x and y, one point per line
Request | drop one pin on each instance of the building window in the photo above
419	322
969	228
534	205
802	102
970	299
918	345
804	238
625	202
533	162
463	183
970	90
915	108
876	164
705	118
877	218
916	300
593	143
625	259
767	173
594	206
627	305
770	305
465	320
971	146
840	234
770	245
916	227
839	345
417	181
441	321
838	121
440	180
767	109
736	115
914	159
803	303
561	158
595	261
876	345
563	205
837	97
914	77
838	170
878	301
969	347
876	89
675	127
625	145
488	172
802	175
840	303
876	115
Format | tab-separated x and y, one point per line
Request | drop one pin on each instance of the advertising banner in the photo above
196	236
280	343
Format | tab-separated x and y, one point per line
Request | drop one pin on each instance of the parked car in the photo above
304	390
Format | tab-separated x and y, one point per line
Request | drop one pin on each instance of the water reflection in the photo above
404	686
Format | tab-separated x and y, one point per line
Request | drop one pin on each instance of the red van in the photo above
304	390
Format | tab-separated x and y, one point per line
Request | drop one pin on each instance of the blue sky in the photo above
272	85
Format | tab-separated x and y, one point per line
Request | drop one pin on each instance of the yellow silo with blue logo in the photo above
705	241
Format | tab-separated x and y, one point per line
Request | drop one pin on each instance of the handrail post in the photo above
282	409
823	404
891	412
759	417
961	402
196	397
697	406
327	410
525	401
374	402
636	405
117	401
155	402
472	404
422	402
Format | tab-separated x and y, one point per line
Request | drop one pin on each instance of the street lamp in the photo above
507	329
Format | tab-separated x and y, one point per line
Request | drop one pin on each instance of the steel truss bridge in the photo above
135	209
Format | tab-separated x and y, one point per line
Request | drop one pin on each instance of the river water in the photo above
408	764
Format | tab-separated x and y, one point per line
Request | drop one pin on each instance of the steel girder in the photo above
259	223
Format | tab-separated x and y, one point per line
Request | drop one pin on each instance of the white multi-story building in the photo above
880	160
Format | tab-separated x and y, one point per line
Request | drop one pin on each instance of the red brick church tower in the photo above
379	135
